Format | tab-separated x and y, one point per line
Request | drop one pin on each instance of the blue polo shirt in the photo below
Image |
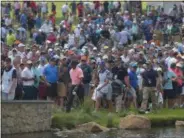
133	79
51	73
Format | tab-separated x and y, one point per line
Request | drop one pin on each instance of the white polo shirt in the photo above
27	73
64	8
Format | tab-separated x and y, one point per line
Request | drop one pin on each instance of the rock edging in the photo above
135	122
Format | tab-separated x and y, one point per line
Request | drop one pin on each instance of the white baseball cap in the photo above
21	45
152	43
94	48
144	42
29	62
179	65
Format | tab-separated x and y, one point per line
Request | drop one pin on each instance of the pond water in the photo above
152	133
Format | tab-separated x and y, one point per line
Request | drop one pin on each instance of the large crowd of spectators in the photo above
95	44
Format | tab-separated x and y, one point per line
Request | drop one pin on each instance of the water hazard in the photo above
152	133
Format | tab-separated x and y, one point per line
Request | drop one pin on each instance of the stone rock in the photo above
92	127
25	116
55	129
179	123
135	122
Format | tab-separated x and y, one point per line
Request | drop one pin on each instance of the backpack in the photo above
87	73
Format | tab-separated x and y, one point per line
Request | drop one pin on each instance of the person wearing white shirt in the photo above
125	58
8	81
64	9
46	27
77	31
44	7
28	79
8	21
71	39
3	33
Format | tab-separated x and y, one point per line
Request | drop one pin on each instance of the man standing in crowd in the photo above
9	81
150	87
87	71
28	79
76	75
10	38
51	77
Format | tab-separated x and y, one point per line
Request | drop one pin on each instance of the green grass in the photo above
166	117
85	114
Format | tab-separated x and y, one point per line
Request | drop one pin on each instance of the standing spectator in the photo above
3	33
179	83
80	9
53	8
23	20
31	23
10	38
8	21
134	83
169	94
38	21
42	85
17	10
28	79
64	10
19	67
73	7
87	72
44	8
34	7
9	81
150	85
51	77
104	88
106	5
76	75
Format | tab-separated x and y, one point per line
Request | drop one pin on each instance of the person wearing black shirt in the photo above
53	8
150	87
31	23
121	74
106	5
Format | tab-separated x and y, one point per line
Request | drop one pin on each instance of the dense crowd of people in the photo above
102	50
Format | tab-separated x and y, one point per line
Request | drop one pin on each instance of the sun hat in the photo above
152	43
29	62
159	69
94	48
62	57
50	50
105	57
21	45
179	65
106	47
144	42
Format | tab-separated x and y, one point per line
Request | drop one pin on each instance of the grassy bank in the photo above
166	117
85	114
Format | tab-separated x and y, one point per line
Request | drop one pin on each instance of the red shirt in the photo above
53	20
97	4
80	8
52	38
33	5
179	73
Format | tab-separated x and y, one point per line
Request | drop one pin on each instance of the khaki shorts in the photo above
61	89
